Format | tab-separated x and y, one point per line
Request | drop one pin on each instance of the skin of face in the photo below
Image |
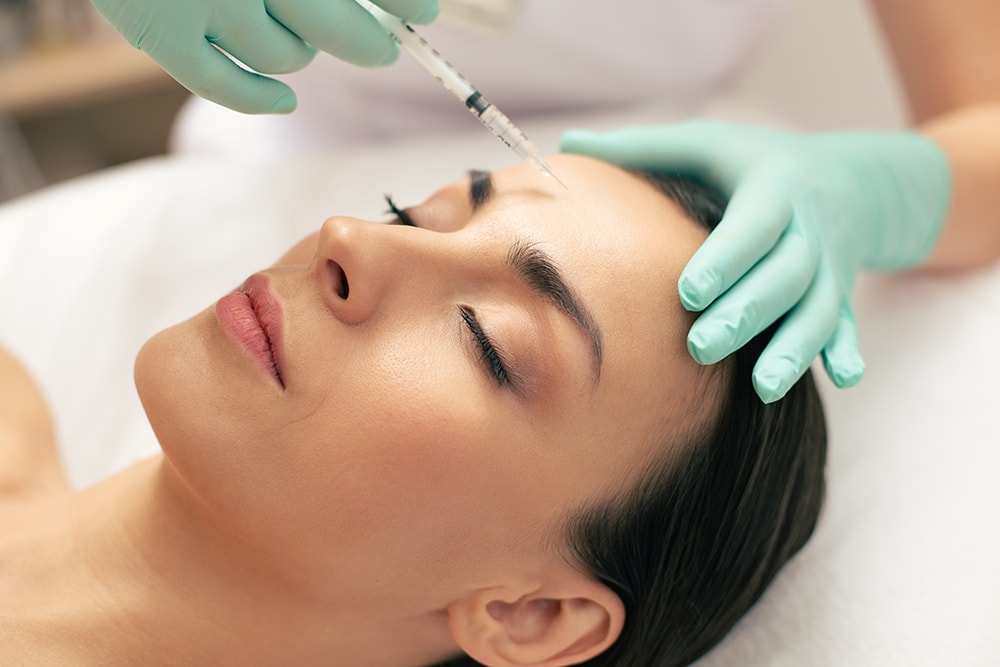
392	470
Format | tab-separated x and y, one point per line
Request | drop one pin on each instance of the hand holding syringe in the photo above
494	120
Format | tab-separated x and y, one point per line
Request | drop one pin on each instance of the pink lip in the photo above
251	316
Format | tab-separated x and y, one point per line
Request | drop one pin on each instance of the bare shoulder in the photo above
29	459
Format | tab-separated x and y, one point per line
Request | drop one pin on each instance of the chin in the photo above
188	391
162	374
203	402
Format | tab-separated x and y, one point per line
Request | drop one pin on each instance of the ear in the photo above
559	623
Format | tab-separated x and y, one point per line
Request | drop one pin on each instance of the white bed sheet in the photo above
903	567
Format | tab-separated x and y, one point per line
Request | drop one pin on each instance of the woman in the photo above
400	444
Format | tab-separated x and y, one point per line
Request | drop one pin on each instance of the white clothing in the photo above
558	57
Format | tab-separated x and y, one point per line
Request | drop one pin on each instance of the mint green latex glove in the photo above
806	212
268	36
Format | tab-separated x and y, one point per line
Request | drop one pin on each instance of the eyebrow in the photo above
538	270
480	188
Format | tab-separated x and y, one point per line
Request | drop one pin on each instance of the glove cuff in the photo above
906	181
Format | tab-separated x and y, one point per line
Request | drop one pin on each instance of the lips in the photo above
251	316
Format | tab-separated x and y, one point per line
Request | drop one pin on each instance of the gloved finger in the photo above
260	42
757	300
841	354
411	11
209	73
342	28
695	147
757	214
799	339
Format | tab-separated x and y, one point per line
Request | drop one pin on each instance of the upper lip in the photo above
267	308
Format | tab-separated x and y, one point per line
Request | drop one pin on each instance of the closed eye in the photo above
402	217
491	356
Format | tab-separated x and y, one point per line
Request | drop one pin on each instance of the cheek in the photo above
418	451
385	424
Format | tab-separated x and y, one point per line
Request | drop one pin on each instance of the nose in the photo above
359	264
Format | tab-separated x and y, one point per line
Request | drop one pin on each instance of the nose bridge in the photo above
360	264
364	244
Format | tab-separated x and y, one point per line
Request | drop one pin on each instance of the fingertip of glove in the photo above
574	140
389	57
284	104
708	344
699	286
430	13
695	293
769	387
696	351
772	384
846	373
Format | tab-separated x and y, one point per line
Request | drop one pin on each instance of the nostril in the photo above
340	285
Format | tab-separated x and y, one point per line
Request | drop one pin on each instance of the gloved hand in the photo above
805	213
269	36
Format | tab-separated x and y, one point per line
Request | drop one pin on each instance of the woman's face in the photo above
440	395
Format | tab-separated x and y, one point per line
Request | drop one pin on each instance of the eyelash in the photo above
402	217
491	356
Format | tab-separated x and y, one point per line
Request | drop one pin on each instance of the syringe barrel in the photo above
425	54
506	131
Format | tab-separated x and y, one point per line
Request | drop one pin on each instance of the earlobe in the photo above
543	628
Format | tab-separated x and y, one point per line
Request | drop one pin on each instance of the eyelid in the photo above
491	356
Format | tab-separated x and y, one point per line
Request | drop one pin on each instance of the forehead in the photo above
622	244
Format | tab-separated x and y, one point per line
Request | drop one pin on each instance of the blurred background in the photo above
76	98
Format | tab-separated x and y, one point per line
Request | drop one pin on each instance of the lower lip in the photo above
237	318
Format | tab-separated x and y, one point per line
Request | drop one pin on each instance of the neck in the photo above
136	571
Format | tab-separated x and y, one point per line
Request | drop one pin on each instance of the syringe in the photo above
480	107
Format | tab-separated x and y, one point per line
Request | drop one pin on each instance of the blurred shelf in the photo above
59	79
80	107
